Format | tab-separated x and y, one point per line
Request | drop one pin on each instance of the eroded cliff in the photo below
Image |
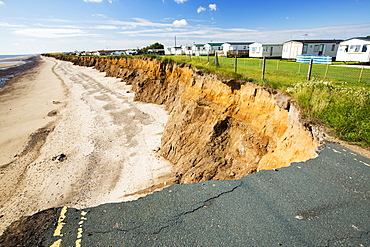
219	128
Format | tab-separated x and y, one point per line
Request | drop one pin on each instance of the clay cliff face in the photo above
219	128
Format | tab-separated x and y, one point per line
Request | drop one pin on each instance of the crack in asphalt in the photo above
210	199
170	221
175	218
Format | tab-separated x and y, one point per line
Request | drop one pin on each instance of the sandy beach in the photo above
72	137
6	65
13	61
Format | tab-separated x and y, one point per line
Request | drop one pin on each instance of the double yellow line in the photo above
61	223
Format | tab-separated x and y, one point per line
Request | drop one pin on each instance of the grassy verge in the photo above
340	100
344	108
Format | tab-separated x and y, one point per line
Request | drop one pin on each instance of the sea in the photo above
24	62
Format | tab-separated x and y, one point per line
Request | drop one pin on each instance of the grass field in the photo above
336	96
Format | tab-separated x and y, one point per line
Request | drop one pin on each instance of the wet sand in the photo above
72	137
12	67
6	65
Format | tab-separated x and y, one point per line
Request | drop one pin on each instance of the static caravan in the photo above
354	50
265	50
177	50
211	48
198	49
236	48
186	49
167	50
293	48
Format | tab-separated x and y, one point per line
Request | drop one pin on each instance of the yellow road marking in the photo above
336	151
80	230
78	243
58	230
56	243
366	164
355	159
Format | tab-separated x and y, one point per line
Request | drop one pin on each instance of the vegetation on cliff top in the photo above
342	106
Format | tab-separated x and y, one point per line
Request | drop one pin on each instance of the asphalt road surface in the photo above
321	202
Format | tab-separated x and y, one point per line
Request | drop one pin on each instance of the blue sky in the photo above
36	26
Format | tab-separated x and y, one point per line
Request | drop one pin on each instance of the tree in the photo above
154	46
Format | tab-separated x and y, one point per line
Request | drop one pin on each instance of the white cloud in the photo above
180	23
93	1
54	20
212	7
140	22
100	15
50	32
180	1
201	9
5	24
56	26
106	27
149	32
2	3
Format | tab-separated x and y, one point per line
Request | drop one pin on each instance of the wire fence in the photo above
282	70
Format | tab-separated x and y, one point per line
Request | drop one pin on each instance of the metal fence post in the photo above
263	68
361	73
236	64
216	60
309	70
277	65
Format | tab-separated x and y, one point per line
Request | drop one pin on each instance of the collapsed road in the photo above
218	129
321	202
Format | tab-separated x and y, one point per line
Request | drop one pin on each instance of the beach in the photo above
72	137
11	66
6	65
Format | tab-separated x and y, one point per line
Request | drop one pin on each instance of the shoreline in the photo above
11	69
8	65
24	107
108	141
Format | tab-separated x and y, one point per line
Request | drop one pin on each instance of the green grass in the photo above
342	107
334	96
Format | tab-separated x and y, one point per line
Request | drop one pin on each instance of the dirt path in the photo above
109	142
